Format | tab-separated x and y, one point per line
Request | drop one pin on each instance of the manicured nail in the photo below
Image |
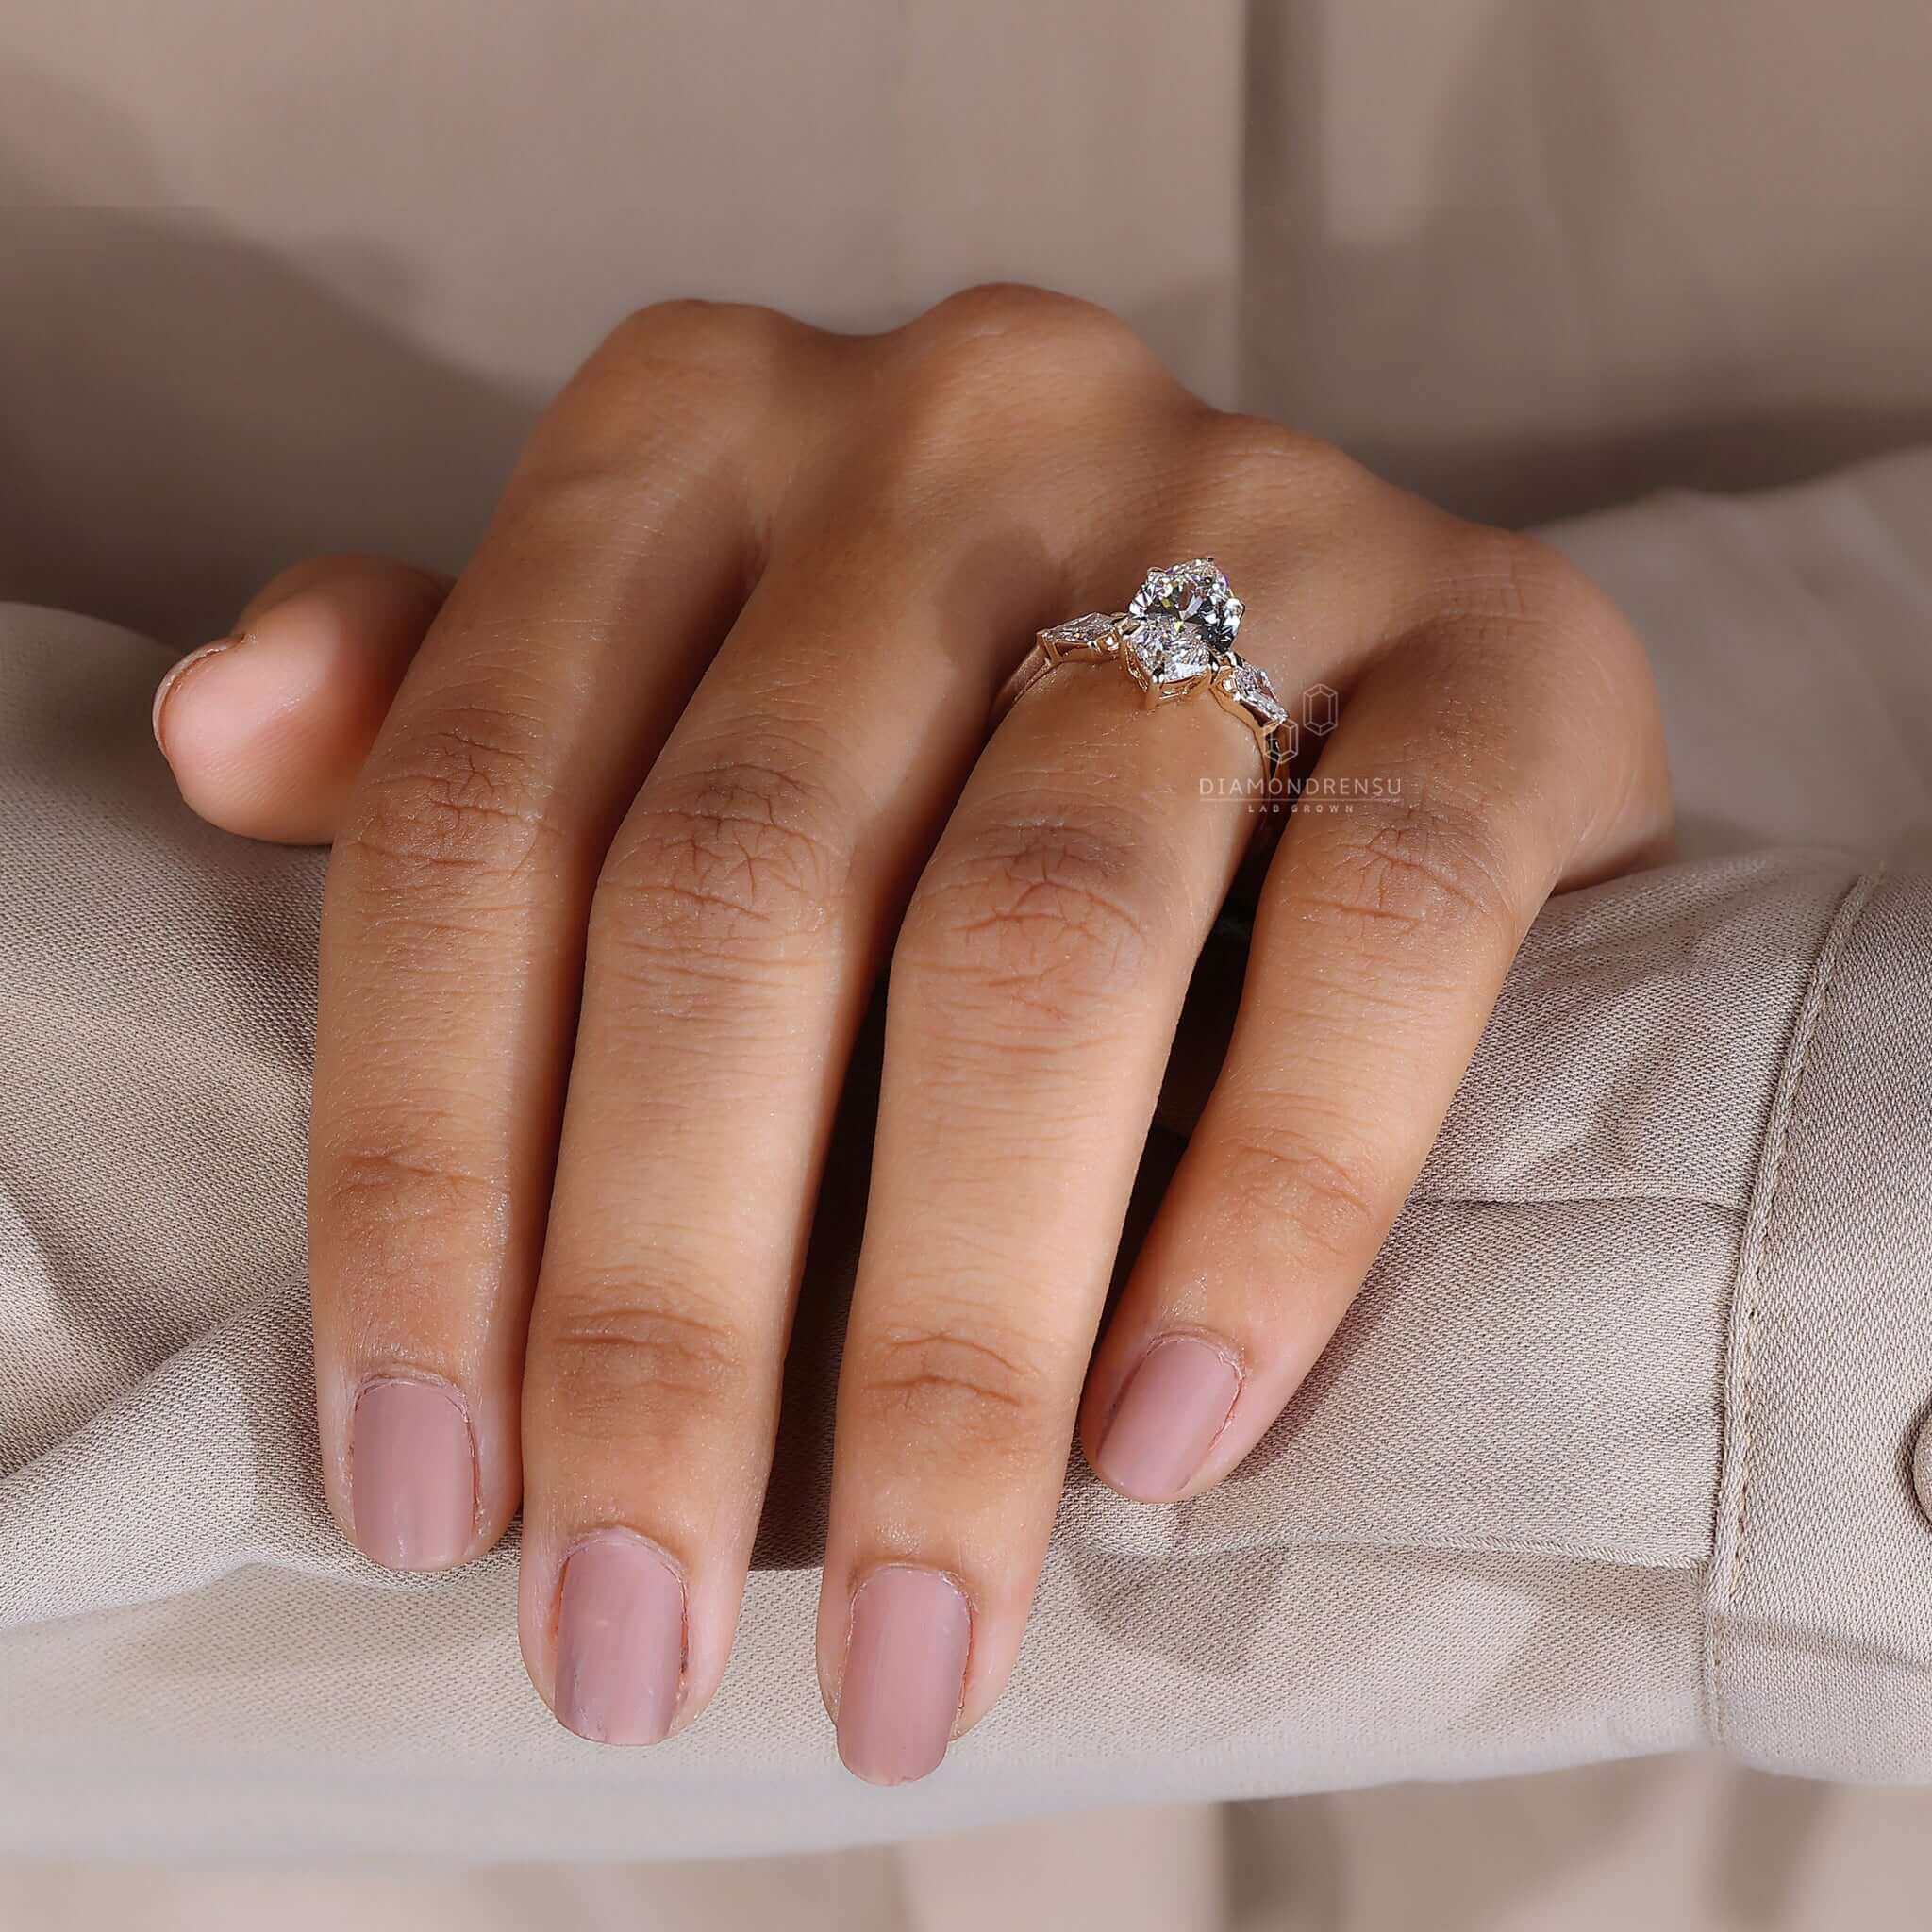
620	1641
905	1673
171	682
412	1476
1175	1405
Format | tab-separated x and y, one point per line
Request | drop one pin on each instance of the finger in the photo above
454	919
1033	993
1470	775
267	729
737	931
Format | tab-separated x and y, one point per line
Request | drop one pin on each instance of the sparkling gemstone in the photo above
1195	592
1250	685
1081	630
1169	651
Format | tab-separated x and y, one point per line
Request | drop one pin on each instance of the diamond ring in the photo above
1174	640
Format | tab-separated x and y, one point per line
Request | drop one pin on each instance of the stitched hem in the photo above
1733	1500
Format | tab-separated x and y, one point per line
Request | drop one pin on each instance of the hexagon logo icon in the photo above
1321	710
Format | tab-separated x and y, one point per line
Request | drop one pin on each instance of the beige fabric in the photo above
1481	1541
1679	1844
1238	1645
1820	1651
287	283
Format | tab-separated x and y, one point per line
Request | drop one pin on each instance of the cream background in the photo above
275	278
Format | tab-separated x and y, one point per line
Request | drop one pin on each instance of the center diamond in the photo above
1193	592
1165	653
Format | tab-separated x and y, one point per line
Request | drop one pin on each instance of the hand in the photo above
696	744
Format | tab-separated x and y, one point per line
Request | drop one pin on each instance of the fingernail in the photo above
1174	1407
171	682
905	1675
620	1641
412	1476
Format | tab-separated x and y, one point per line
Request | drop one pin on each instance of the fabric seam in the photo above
1740	1432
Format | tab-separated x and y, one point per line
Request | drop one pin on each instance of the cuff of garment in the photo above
1818	1624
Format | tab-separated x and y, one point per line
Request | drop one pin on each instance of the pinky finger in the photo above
267	729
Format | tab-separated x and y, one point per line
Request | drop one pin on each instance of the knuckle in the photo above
1269	470
951	1390
690	336
1041	915
708	378
735	862
1417	867
959	368
618	1353
466	793
1325	1190
376	1181
1522	645
1000	310
1511	579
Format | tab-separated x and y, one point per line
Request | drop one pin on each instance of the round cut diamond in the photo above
1170	652
1194	593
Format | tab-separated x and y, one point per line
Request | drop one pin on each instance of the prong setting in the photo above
1168	658
1195	592
1088	640
1175	638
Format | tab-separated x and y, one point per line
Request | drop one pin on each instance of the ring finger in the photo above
1035	990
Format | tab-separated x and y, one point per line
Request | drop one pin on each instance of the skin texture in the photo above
626	827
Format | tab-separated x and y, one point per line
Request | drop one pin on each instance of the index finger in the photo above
454	923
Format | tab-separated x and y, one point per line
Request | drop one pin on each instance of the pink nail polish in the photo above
620	1641
1175	1404
412	1475
905	1673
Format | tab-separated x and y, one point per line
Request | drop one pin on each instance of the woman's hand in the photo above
695	745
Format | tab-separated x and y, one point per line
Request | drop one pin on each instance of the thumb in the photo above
267	729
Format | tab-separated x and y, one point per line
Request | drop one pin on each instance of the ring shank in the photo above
1276	752
1025	675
